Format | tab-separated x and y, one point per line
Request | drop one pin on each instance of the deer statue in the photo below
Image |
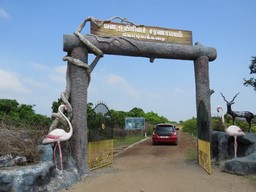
247	115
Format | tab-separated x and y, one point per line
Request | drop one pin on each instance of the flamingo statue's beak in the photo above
219	108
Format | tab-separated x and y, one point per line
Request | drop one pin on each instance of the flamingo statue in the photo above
232	130
58	135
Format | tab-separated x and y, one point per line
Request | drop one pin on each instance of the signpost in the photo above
141	32
134	123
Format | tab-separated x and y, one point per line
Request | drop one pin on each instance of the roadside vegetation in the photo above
20	123
21	129
13	114
190	125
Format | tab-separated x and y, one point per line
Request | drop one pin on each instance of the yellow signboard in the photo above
141	32
204	155
100	153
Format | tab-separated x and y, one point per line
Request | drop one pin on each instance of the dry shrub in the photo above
20	142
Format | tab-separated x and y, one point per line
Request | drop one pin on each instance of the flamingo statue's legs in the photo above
235	145
54	153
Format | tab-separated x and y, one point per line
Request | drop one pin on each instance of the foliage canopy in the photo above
252	81
21	115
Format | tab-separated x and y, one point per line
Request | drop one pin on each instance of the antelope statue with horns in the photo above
247	115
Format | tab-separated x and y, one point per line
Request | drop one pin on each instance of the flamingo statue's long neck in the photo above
69	134
222	117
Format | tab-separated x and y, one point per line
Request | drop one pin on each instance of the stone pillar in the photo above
203	93
203	112
79	86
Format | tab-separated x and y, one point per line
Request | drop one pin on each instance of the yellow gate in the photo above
100	153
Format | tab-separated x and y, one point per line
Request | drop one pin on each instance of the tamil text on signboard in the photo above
141	32
204	156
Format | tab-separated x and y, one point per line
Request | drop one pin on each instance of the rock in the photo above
41	177
20	160
45	152
6	181
219	145
241	166
248	139
223	150
23	178
9	160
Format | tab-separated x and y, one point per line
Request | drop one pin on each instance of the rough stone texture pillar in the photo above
79	85
201	66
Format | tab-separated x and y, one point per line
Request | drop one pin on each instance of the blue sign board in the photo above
135	123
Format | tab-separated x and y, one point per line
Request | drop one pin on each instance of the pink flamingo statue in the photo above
232	130
58	135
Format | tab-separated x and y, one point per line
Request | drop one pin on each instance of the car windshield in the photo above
164	129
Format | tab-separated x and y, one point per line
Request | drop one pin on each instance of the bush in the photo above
190	126
217	124
253	129
21	142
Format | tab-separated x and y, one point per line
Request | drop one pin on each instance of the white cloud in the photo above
154	96
35	83
10	83
4	14
40	67
56	74
119	83
61	69
59	74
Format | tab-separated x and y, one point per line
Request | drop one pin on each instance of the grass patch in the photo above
252	178
128	140
191	154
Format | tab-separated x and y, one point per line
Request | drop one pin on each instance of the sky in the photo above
31	50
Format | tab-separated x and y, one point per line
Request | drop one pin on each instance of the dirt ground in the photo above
148	168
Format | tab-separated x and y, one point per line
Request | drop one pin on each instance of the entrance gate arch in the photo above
78	47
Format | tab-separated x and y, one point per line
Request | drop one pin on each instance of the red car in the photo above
165	133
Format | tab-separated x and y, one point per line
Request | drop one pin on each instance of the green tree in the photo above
190	126
136	112
26	111
40	121
252	81
7	105
55	105
154	118
21	115
118	118
91	116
